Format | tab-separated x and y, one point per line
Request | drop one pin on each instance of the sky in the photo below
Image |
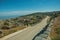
16	7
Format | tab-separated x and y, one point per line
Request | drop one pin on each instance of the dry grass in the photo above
7	32
55	31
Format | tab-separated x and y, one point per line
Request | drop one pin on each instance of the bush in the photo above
57	30
5	27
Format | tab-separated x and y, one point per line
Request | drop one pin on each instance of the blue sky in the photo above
14	7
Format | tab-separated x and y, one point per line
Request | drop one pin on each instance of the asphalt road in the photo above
28	33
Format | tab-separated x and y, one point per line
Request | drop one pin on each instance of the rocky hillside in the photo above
11	25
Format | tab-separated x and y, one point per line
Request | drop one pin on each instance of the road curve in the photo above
28	33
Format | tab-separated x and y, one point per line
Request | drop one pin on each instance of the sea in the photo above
8	17
11	16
